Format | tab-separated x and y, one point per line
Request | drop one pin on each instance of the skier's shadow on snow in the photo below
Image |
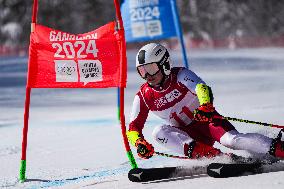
36	180
43	180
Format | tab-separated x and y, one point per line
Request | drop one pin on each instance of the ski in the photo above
150	174
216	170
223	170
164	173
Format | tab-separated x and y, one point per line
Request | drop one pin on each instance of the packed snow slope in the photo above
75	141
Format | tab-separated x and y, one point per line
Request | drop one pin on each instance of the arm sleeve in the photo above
139	114
189	79
204	94
196	85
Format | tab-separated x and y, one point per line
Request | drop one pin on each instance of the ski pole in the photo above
249	121
171	156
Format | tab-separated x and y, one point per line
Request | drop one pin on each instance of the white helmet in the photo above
155	54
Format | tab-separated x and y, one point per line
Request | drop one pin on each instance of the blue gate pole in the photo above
179	31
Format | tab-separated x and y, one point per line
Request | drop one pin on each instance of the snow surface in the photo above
75	141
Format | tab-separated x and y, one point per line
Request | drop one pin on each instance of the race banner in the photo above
91	60
147	20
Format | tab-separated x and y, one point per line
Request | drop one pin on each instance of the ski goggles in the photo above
151	69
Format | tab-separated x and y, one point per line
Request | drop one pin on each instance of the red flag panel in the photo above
59	59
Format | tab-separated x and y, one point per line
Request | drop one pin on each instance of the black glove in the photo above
204	113
144	149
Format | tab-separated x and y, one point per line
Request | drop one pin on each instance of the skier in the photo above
185	102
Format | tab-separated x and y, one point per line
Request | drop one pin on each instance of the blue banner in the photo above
147	19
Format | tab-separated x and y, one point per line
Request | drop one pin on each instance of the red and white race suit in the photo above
175	103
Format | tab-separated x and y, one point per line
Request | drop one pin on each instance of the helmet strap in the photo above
164	75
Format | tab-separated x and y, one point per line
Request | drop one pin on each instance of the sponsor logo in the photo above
186	78
158	52
62	36
143	3
66	71
163	140
171	96
89	71
217	170
138	175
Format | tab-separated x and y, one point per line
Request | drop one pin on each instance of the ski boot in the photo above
277	146
197	150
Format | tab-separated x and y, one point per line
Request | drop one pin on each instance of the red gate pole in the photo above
22	175
121	90
25	135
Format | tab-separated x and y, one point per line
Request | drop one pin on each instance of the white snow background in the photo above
75	141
